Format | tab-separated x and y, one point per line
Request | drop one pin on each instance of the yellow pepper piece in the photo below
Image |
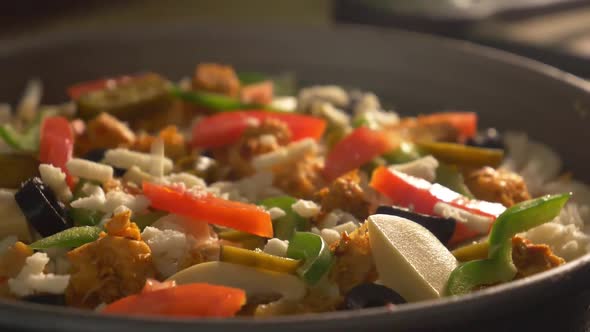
472	252
246	240
460	154
258	260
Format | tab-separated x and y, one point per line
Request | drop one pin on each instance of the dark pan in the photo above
412	72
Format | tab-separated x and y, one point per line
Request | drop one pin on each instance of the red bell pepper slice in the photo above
57	144
77	90
226	128
422	196
204	207
356	149
464	122
190	300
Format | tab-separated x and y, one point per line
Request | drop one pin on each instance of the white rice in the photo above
124	158
539	165
137	176
288	154
157	151
90	170
30	101
249	189
56	180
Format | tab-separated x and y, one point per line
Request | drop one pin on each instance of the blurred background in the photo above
553	31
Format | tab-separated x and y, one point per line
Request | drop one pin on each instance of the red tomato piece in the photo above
205	207
57	144
464	122
190	300
226	128
356	149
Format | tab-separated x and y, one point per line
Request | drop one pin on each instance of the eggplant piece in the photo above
442	228
371	295
41	208
16	168
97	155
489	138
49	299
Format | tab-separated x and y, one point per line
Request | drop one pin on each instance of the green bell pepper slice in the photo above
285	226
85	217
69	238
498	267
406	152
213	101
315	254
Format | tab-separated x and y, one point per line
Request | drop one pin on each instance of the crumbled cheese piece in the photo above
31	278
287	103
203	163
157	152
169	247
473	221
276	247
424	168
56	180
276	213
137	176
189	180
58	263
305	208
90	170
330	235
284	155
111	201
315	230
348	227
337	217
124	158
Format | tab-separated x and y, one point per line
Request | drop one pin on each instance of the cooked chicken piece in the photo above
500	186
13	259
175	146
114	266
216	78
104	132
354	260
301	179
346	194
259	139
531	258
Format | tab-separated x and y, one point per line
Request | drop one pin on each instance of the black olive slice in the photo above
371	295
41	208
442	228
489	138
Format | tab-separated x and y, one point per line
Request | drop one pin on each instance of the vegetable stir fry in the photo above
233	194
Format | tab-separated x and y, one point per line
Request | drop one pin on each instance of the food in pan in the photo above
233	194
